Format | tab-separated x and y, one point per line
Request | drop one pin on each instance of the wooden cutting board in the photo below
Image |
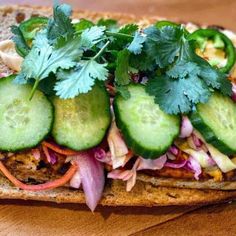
32	218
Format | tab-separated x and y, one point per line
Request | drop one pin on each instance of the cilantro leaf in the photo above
182	69
92	36
122	76
44	59
22	47
60	24
213	77
225	84
81	80
163	45
142	62
82	25
110	24
20	79
137	43
123	37
123	91
175	96
129	29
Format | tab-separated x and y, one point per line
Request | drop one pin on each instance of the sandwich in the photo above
110	109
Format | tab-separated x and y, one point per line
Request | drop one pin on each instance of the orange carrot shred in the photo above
45	186
55	148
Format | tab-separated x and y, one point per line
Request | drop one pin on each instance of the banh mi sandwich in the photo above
116	110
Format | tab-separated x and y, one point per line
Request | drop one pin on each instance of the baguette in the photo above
147	191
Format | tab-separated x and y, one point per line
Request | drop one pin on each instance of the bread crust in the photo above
147	191
143	194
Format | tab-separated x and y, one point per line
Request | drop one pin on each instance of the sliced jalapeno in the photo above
30	27
215	47
27	31
162	23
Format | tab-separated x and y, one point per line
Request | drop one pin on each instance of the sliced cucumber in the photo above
216	121
82	122
23	123
147	130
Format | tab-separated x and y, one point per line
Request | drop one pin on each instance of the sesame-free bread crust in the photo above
147	191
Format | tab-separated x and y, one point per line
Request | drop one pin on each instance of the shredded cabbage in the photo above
117	147
224	162
201	157
194	166
140	164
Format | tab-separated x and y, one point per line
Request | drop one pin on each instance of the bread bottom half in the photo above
143	194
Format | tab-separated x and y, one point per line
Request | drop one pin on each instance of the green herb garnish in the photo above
82	78
76	55
185	78
22	47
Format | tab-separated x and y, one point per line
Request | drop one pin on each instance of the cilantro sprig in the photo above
69	58
44	59
82	78
185	78
57	49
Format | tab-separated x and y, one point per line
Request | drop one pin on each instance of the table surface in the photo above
33	218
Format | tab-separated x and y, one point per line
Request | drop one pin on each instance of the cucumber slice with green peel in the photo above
81	123
23	123
216	121
147	130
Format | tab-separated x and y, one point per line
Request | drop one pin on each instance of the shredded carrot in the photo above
45	186
55	148
111	89
46	153
233	79
129	154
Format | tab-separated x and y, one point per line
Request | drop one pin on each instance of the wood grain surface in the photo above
32	218
207	221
